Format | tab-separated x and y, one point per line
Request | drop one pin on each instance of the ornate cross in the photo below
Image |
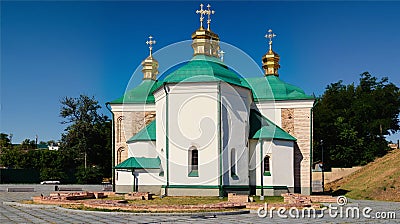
270	35
201	12
209	13
221	55
150	42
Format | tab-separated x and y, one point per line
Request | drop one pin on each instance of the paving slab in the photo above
10	213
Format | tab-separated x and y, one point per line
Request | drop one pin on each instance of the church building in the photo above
203	129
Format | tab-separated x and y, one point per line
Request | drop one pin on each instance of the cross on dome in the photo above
201	12
209	13
221	54
205	42
150	42
270	35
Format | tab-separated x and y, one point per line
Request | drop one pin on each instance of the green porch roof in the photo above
142	94
203	68
272	88
139	163
148	133
262	128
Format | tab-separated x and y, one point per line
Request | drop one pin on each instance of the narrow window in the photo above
267	169
119	155
233	162
193	162
119	128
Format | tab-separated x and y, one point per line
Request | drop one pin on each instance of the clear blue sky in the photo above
50	50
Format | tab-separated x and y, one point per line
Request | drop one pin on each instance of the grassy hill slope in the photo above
378	180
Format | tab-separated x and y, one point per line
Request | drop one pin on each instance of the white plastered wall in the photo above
281	162
142	149
273	109
192	123
235	130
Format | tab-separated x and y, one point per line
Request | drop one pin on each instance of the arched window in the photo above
193	162
267	168
233	162
119	155
119	128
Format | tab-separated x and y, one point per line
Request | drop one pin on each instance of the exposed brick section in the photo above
132	123
78	198
138	196
237	198
323	199
99	195
149	117
66	196
287	116
302	128
114	205
297	123
54	201
292	198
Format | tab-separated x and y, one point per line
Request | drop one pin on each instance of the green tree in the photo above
4	141
13	158
87	140
28	144
51	142
49	163
353	120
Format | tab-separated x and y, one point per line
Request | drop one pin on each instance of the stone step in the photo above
20	189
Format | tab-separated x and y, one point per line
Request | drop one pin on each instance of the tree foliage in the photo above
353	120
50	164
4	140
87	136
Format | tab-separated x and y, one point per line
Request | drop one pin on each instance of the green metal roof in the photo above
148	133
272	88
42	146
143	93
203	68
262	128
139	163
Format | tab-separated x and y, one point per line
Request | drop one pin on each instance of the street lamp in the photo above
323	165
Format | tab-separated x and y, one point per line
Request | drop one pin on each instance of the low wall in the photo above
20	176
335	174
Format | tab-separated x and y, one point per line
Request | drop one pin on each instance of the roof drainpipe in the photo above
221	193
311	141
112	147
261	169
166	135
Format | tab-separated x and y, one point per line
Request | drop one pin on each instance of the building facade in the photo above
203	129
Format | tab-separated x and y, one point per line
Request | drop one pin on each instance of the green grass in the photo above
179	201
167	201
192	200
176	200
378	180
269	199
